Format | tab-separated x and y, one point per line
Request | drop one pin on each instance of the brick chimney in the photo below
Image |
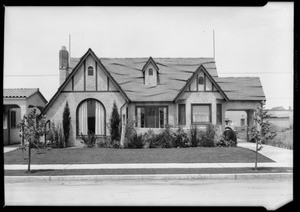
63	64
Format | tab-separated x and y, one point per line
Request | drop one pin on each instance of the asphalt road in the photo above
270	194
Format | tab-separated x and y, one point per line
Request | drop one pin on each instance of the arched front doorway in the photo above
90	117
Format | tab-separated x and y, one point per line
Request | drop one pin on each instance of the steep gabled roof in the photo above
201	68
175	74
152	62
75	69
22	93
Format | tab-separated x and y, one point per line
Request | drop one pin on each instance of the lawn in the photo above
283	139
106	155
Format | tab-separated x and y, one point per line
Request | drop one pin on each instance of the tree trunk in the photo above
256	153
29	155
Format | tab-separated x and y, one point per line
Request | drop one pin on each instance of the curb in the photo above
15	179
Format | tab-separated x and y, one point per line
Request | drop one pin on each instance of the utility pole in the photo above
214	43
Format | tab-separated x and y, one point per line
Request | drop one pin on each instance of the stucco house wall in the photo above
54	114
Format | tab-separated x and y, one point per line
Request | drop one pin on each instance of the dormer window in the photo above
200	81
90	71
150	71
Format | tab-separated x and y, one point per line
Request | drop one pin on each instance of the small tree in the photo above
66	124
32	127
115	123
262	135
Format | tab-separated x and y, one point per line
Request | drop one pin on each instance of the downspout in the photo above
123	122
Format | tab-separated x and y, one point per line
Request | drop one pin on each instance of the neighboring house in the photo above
280	118
150	91
16	103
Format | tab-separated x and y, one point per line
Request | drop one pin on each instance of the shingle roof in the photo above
173	75
280	108
241	88
19	92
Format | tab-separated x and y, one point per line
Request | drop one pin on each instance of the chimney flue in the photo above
63	64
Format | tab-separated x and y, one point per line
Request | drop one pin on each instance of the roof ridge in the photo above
21	88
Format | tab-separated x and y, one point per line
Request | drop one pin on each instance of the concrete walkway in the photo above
279	155
10	148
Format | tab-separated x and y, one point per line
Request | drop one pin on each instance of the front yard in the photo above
155	155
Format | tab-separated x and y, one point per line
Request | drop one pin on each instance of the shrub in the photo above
103	143
181	138
150	139
66	124
135	142
208	137
194	136
165	138
89	140
114	125
116	144
55	136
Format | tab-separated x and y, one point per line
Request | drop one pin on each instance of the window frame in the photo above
150	72
219	113
77	117
202	78
90	68
179	123
13	119
196	123
145	117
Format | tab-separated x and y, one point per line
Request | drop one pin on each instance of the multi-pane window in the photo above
13	119
181	114
201	114
219	113
90	71
152	116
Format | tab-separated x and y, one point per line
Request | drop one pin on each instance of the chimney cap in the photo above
63	48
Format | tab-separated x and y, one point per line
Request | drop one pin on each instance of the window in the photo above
219	113
90	71
152	116
201	114
200	81
181	114
13	119
90	117
150	71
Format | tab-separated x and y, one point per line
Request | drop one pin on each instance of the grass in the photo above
144	171
283	139
106	155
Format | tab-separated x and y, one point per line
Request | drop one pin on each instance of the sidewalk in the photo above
283	160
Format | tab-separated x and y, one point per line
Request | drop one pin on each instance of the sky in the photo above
249	41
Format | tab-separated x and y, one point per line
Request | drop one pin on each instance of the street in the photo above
271	194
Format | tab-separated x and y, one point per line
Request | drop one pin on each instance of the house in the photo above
16	103
280	118
150	91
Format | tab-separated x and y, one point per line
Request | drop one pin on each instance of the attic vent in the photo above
90	71
150	71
